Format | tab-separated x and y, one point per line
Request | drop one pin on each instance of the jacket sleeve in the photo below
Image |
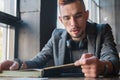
40	60
46	54
108	48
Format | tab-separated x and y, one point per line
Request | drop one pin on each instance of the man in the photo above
88	45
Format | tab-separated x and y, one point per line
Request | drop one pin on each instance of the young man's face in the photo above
74	18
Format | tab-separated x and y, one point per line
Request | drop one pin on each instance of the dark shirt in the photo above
74	53
75	50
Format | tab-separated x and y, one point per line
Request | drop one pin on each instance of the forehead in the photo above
63	2
71	8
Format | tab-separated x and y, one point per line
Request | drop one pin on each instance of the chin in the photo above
75	36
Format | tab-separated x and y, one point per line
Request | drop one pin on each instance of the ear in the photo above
87	15
60	18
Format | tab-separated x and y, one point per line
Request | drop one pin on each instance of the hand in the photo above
9	65
91	65
23	66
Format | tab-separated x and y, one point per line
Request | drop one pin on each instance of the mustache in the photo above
74	29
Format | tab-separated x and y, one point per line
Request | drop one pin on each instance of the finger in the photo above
91	75
77	63
5	65
86	67
84	59
91	60
81	62
15	66
0	68
87	61
86	71
89	78
86	55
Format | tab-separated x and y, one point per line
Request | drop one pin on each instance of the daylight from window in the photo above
1	30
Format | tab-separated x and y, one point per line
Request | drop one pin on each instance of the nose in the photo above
72	21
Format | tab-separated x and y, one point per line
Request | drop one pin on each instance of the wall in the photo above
29	34
118	23
39	17
107	14
110	13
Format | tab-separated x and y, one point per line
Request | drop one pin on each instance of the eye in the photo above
66	18
78	15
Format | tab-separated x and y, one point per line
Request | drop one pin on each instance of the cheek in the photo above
66	24
82	24
67	28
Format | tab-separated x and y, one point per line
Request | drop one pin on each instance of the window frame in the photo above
94	10
11	23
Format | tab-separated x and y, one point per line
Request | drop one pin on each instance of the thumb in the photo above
83	59
14	66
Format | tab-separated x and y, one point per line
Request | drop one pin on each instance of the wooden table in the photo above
67	78
115	78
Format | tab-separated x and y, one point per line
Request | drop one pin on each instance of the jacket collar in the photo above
91	36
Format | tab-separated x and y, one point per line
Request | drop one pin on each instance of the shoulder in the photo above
58	32
103	26
96	25
93	27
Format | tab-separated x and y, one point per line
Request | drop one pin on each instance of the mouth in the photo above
76	31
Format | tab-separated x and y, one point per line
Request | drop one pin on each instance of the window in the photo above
93	7
59	24
7	7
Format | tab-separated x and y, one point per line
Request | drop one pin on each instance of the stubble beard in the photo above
79	37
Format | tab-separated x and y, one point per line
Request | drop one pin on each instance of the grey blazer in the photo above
100	43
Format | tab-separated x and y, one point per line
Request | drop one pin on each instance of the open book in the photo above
35	73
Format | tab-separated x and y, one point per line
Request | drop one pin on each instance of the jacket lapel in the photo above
91	37
62	44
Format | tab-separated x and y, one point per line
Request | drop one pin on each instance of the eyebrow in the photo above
74	14
78	13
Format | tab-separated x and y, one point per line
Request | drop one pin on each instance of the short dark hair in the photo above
64	2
